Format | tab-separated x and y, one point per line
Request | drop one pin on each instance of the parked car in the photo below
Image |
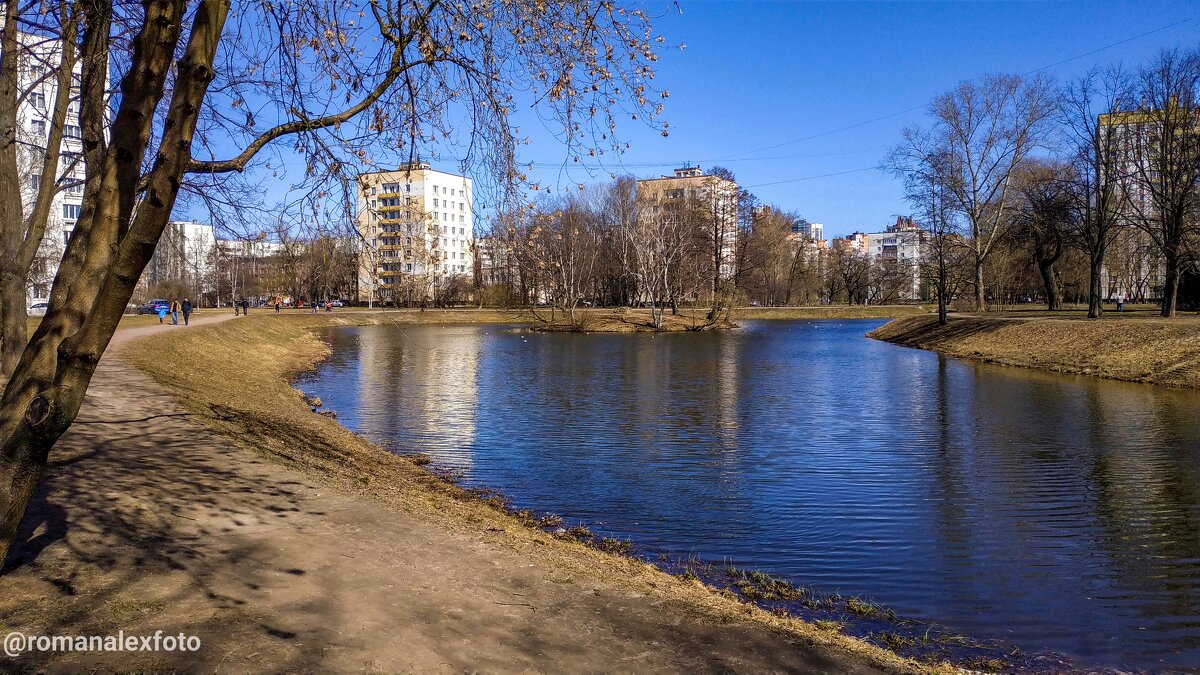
337	303
152	306
37	309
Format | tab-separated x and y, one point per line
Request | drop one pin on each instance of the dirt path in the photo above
148	521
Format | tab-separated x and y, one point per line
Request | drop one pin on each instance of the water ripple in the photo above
1061	513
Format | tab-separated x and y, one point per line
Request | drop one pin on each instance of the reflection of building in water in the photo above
685	390
727	385
427	378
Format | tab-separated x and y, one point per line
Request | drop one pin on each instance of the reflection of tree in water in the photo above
1090	488
1148	499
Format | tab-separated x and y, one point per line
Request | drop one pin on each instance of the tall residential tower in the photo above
417	232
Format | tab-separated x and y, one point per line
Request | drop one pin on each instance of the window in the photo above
38	127
35	180
71	211
72	131
435	202
38	100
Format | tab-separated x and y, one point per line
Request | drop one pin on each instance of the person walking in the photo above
312	307
162	312
175	312
245	307
186	306
237	307
277	306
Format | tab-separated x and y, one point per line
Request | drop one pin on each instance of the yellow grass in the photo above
1153	350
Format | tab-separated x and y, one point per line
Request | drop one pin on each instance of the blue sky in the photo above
761	74
818	91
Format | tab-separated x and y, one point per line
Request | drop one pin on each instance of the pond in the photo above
1058	513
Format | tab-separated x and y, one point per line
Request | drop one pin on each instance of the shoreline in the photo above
1162	352
271	417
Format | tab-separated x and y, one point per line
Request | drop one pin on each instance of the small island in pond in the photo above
625	320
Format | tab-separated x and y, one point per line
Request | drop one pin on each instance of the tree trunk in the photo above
13	331
980	295
12	279
943	319
1050	281
1095	293
1170	284
111	245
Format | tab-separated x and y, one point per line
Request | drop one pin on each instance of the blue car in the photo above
153	306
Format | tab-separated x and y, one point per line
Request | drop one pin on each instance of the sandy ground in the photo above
148	520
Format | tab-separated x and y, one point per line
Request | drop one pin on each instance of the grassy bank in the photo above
1158	351
261	411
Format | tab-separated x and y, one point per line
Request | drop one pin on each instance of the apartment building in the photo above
36	82
855	242
810	231
716	200
1134	267
897	251
186	253
417	232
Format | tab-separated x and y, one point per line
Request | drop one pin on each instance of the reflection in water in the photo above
1061	513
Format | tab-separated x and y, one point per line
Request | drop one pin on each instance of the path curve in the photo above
148	520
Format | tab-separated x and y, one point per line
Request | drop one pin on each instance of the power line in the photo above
1115	44
920	107
653	165
824	175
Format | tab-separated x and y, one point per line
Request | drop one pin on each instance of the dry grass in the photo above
1158	351
264	413
623	320
629	321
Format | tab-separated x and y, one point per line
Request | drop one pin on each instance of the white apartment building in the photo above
899	247
40	88
417	232
186	253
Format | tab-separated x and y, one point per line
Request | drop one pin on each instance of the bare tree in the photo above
36	49
345	87
1043	220
849	273
928	170
985	128
661	237
1161	140
1098	188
